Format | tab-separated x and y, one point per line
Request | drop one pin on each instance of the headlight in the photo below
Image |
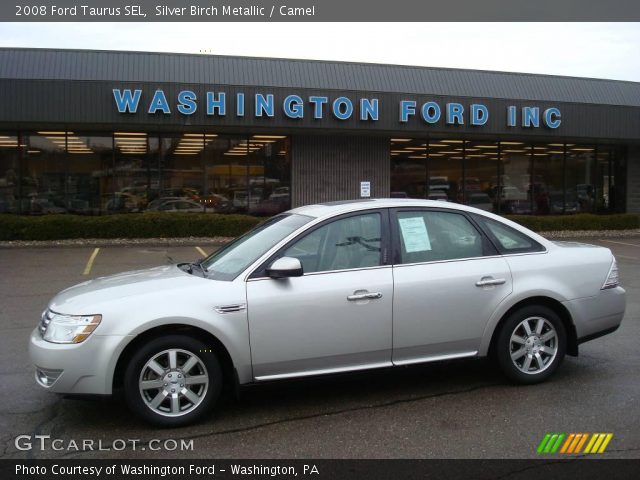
59	328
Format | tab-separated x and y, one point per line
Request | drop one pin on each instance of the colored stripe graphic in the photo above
572	443
583	439
550	443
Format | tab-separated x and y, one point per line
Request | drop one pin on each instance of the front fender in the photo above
228	330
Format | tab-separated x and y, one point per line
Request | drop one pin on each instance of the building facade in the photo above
99	132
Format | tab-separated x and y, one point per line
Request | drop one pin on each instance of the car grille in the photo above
45	321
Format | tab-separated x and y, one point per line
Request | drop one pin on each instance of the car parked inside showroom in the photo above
324	289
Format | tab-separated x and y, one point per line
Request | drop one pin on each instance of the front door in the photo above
338	315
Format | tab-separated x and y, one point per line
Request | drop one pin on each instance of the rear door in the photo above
448	281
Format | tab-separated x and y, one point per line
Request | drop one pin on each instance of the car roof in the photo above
329	209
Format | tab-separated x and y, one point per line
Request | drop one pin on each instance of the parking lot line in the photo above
621	243
202	252
93	256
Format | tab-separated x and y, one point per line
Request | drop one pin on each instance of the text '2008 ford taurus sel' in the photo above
329	288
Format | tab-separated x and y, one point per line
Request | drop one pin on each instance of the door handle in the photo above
364	296
487	282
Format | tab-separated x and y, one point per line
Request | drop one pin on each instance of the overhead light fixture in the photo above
55	133
452	141
270	136
511	143
435	145
401	139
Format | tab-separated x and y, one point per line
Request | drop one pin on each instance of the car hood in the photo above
82	298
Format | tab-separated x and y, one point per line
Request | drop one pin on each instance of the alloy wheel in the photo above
533	345
173	382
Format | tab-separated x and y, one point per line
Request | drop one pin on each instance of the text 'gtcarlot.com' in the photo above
45	442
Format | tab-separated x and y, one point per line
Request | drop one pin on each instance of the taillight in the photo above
613	279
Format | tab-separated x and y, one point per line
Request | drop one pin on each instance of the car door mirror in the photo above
285	267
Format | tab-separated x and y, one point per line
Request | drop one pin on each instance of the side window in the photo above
428	236
507	239
352	242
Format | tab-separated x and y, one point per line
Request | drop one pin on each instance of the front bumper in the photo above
596	316
83	368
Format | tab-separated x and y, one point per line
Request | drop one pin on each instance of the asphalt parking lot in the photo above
462	409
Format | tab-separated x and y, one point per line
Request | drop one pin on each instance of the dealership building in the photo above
100	132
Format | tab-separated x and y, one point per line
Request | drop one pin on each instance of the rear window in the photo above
507	239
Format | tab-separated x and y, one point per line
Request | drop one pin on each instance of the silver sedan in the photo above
329	288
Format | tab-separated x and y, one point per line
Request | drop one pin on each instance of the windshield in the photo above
228	262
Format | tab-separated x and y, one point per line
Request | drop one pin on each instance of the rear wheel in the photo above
531	344
173	381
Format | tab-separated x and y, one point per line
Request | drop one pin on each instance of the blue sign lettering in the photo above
479	114
187	102
431	112
552	117
293	106
159	102
218	104
342	108
264	105
127	101
407	107
369	109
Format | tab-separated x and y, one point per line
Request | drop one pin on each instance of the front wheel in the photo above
173	381
531	344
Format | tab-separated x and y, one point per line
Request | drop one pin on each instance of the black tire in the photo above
175	409
514	369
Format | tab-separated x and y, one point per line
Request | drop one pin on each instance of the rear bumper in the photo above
596	316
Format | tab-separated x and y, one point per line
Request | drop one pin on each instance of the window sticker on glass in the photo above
414	234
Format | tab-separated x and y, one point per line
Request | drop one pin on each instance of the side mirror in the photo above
285	267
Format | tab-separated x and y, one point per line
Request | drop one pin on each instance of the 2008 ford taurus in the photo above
329	288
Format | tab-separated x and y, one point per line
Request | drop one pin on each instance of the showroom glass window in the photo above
408	168
136	170
580	177
44	186
9	173
90	165
480	183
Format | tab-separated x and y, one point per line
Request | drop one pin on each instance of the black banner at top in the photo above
318	10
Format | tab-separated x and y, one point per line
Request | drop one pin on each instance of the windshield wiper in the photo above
192	267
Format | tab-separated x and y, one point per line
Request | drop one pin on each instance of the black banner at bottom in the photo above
548	468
